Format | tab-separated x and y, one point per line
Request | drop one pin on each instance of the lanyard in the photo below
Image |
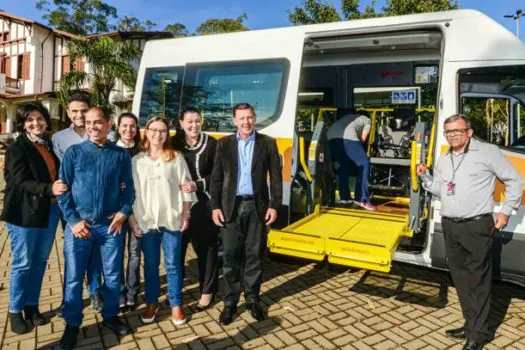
454	169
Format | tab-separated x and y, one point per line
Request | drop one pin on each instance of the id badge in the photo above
451	189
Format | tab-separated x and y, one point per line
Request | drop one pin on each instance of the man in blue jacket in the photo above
96	208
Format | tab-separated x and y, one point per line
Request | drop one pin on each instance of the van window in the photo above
161	93
216	88
494	100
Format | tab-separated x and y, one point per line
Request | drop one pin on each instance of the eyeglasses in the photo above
454	132
158	131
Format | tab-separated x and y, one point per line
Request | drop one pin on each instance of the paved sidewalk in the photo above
309	307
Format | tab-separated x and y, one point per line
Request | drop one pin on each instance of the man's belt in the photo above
246	198
460	220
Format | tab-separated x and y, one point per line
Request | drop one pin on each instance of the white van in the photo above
408	73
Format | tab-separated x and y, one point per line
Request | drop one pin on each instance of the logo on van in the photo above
388	73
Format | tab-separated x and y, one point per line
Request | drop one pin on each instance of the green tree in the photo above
226	25
108	61
406	7
80	17
314	11
133	24
320	11
177	29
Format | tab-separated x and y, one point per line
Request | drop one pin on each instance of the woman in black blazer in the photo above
30	211
199	152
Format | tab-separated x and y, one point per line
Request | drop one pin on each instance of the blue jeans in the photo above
77	255
94	269
345	151
171	242
30	249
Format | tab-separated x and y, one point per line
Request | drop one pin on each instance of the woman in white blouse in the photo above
161	213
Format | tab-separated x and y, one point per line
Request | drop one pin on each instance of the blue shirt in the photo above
245	157
94	176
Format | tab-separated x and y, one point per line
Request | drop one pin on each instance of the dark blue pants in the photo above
77	255
130	287
346	151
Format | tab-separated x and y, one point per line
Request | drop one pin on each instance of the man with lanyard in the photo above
77	106
464	179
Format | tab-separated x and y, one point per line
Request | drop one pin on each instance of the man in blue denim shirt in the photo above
96	208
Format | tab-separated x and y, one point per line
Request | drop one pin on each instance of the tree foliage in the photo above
108	61
85	17
80	17
313	11
321	11
225	25
133	24
406	7
177	29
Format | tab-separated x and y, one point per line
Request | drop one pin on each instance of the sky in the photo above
261	13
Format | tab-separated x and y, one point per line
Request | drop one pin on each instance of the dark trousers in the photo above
204	237
244	240
469	253
130	283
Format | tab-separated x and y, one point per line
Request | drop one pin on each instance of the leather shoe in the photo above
117	326
226	316
472	345
256	311
456	333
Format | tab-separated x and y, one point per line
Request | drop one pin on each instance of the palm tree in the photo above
108	61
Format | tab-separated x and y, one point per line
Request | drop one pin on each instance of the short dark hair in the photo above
136	139
189	109
79	97
243	106
100	110
456	117
24	111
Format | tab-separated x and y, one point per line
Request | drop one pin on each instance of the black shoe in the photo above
69	338
456	333
117	326
256	311
18	325
471	345
226	316
32	314
60	311
96	303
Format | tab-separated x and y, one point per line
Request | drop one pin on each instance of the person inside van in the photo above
347	136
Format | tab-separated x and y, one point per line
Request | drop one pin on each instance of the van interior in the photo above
393	79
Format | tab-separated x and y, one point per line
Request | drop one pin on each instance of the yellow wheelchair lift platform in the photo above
350	237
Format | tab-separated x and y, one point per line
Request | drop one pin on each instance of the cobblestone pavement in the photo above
310	306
